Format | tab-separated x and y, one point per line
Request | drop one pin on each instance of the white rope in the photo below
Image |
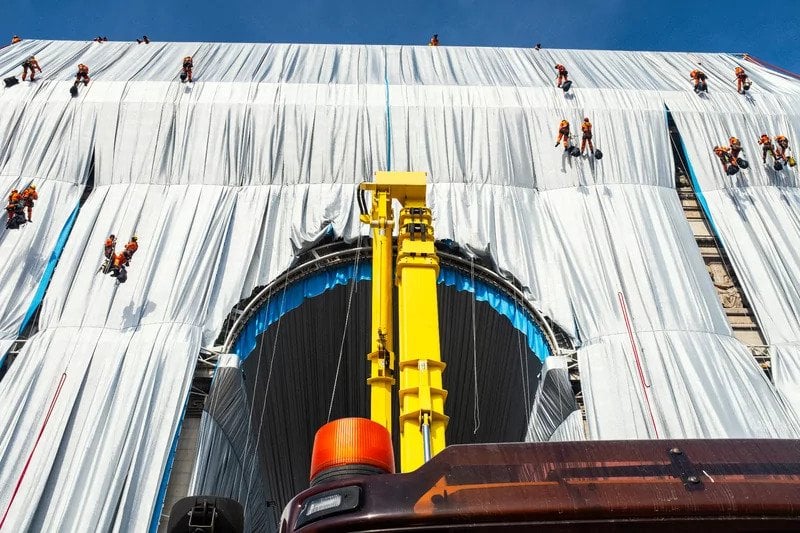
353	283
476	412
266	392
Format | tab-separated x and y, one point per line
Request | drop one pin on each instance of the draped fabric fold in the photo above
226	179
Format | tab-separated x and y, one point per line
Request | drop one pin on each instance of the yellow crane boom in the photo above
422	396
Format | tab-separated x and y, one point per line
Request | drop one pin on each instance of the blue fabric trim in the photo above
162	490
292	297
388	114
698	191
48	271
501	303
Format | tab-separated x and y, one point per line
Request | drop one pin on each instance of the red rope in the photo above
645	386
35	444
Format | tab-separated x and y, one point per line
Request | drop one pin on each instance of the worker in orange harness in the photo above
563	134
118	267
30	64
186	73
130	249
742	83
724	154
14	200
434	40
109	253
561	75
782	148
15	39
766	147
14	196
29	195
586	127
82	75
110	245
736	149
700	81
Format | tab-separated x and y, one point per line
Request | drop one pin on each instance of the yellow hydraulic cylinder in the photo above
422	396
381	356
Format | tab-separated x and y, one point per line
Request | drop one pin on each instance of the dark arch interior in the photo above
290	378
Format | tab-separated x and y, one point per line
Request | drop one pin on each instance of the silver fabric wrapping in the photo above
755	212
225	179
227	463
554	411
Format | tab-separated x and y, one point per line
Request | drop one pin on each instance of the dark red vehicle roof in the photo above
694	485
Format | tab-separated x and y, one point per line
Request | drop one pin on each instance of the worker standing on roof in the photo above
766	147
561	74
563	134
30	64
586	127
742	83
15	39
29	195
186	73
700	83
434	40
82	75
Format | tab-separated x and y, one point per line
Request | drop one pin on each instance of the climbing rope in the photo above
266	393
476	411
353	283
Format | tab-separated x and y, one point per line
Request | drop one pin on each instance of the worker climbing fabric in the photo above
227	179
756	215
28	124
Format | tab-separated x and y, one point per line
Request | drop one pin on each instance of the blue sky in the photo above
768	31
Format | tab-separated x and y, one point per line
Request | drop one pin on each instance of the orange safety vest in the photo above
120	259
